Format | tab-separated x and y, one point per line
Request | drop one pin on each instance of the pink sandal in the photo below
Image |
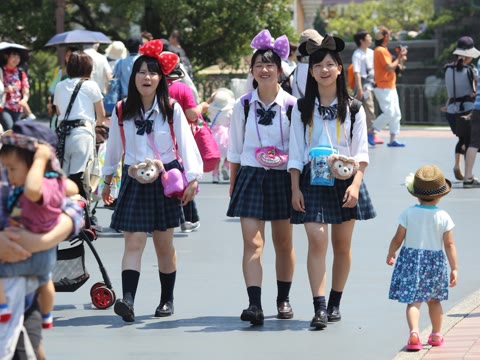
414	347
438	342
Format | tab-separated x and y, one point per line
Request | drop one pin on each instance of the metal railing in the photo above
417	108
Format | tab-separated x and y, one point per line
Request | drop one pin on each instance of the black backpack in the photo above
285	82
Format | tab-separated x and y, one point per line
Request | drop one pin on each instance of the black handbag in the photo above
462	120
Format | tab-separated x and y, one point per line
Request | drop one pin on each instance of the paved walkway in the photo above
461	329
210	292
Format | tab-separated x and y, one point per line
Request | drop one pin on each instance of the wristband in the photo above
107	183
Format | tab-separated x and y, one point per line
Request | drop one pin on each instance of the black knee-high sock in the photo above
319	303
129	284
283	291
255	296
167	283
334	298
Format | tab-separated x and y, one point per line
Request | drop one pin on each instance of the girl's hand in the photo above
106	195
190	192
350	198
453	278
298	202
391	259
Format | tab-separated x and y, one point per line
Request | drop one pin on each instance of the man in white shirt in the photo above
362	61
102	72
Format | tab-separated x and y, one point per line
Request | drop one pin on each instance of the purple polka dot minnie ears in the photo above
265	41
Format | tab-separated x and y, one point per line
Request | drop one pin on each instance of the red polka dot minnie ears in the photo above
166	59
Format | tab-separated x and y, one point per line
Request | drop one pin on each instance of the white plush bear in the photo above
147	171
342	167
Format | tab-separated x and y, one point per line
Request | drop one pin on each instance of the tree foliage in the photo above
395	15
212	30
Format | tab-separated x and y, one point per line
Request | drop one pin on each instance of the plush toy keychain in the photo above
342	167
146	172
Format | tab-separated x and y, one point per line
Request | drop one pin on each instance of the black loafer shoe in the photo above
320	320
333	314
284	310
253	314
125	310
164	309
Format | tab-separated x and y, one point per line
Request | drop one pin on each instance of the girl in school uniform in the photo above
260	185
323	117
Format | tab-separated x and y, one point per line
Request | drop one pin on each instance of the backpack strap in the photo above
245	100
355	106
119	109
291	101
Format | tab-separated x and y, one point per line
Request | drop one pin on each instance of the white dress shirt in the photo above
243	138
301	142
138	148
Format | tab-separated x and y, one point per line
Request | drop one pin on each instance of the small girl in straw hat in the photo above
420	273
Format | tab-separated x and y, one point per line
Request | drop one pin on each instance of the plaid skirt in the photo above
261	194
323	204
144	207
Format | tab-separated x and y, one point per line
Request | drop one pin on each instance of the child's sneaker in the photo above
215	178
5	313
30	117
47	321
225	175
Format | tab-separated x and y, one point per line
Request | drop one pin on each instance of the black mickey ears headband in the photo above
332	43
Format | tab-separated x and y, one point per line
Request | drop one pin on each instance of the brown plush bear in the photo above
342	167
147	171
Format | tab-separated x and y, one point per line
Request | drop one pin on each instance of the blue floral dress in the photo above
421	272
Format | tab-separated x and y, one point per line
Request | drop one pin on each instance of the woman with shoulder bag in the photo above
148	126
461	78
79	108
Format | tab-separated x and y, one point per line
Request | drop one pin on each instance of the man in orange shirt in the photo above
385	90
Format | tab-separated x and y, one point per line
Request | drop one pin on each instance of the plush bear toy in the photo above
147	171
342	167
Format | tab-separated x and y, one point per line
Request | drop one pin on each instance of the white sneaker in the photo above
30	117
187	226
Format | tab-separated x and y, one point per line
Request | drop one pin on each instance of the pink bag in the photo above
207	146
270	156
174	183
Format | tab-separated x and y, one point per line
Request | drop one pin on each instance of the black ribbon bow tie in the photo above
144	126
328	112
266	116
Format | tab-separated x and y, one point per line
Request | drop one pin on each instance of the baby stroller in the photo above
70	272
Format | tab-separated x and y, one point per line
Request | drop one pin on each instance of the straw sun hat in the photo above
116	50
428	183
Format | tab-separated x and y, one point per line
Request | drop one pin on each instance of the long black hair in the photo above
268	56
306	105
133	105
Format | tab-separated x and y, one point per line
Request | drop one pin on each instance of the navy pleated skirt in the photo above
323	204
261	194
144	207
